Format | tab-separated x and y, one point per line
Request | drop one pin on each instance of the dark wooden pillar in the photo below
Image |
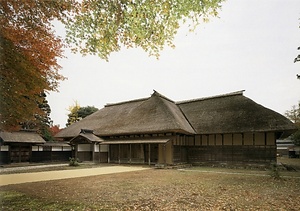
99	153
76	151
119	153
130	153
165	154
93	153
108	154
19	153
149	154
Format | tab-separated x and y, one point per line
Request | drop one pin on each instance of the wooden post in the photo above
108	154
9	153
30	153
99	154
93	152
19	154
76	152
119	153
130	153
165	160
149	155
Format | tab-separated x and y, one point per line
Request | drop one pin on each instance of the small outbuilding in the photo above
17	146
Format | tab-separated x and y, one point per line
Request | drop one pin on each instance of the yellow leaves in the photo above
73	115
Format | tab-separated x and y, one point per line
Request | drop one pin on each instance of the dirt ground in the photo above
159	189
63	174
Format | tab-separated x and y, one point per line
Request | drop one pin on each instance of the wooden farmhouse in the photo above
228	128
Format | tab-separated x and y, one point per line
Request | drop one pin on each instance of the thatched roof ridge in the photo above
21	137
125	102
233	113
155	93
212	97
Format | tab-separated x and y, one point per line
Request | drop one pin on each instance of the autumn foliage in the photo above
29	51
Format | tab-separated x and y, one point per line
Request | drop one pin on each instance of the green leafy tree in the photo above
103	26
77	113
294	116
85	111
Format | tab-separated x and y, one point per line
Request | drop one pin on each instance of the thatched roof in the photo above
232	113
148	115
227	113
21	137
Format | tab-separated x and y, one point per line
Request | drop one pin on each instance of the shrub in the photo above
274	171
73	162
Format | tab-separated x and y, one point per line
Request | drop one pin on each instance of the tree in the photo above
55	129
73	115
297	59
42	121
103	26
294	116
85	111
29	50
77	113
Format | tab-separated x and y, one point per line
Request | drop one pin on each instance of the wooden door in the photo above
20	153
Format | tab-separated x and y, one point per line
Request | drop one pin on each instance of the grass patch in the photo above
12	200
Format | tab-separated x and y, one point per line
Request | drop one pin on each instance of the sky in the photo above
250	46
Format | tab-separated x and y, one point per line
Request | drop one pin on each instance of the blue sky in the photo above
251	46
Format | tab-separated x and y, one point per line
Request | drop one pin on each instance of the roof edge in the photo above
155	93
211	97
124	102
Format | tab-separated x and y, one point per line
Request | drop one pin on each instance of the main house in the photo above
229	128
